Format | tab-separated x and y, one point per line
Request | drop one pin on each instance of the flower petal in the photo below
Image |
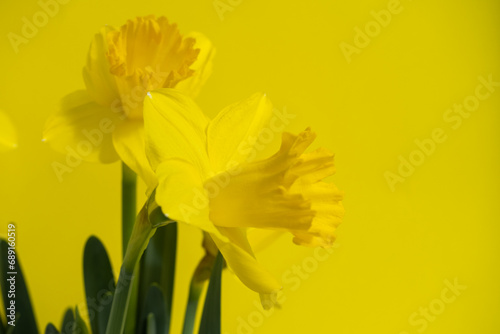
8	133
129	142
181	196
82	127
202	66
261	239
175	128
99	81
235	127
240	258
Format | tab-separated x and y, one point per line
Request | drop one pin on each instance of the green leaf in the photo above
158	267
155	305
67	322
99	284
22	300
80	327
200	275
210	319
3	330
151	324
195	290
51	329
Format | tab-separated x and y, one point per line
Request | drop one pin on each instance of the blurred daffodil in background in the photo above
8	133
124	63
104	123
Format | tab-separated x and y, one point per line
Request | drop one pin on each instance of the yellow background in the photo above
395	249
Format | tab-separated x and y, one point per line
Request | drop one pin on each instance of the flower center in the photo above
148	53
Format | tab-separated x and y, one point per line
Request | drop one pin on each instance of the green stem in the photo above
129	191
130	321
211	316
201	274
121	297
141	233
195	290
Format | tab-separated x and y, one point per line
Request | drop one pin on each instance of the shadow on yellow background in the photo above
395	96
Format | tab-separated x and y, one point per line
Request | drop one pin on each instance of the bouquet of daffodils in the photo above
138	108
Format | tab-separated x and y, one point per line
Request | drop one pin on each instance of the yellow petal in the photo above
83	128
8	133
99	81
232	133
129	141
181	196
202	67
241	260
260	239
175	128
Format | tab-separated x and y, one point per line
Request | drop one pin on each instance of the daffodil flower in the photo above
8	133
123	64
206	177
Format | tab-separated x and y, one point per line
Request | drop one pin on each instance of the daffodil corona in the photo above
207	180
123	64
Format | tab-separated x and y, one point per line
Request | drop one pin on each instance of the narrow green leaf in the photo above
51	329
200	275
22	299
80	326
210	319
99	284
195	290
3	330
158	267
68	322
155	304
151	324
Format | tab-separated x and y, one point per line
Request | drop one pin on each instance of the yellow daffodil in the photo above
207	178
8	133
123	64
